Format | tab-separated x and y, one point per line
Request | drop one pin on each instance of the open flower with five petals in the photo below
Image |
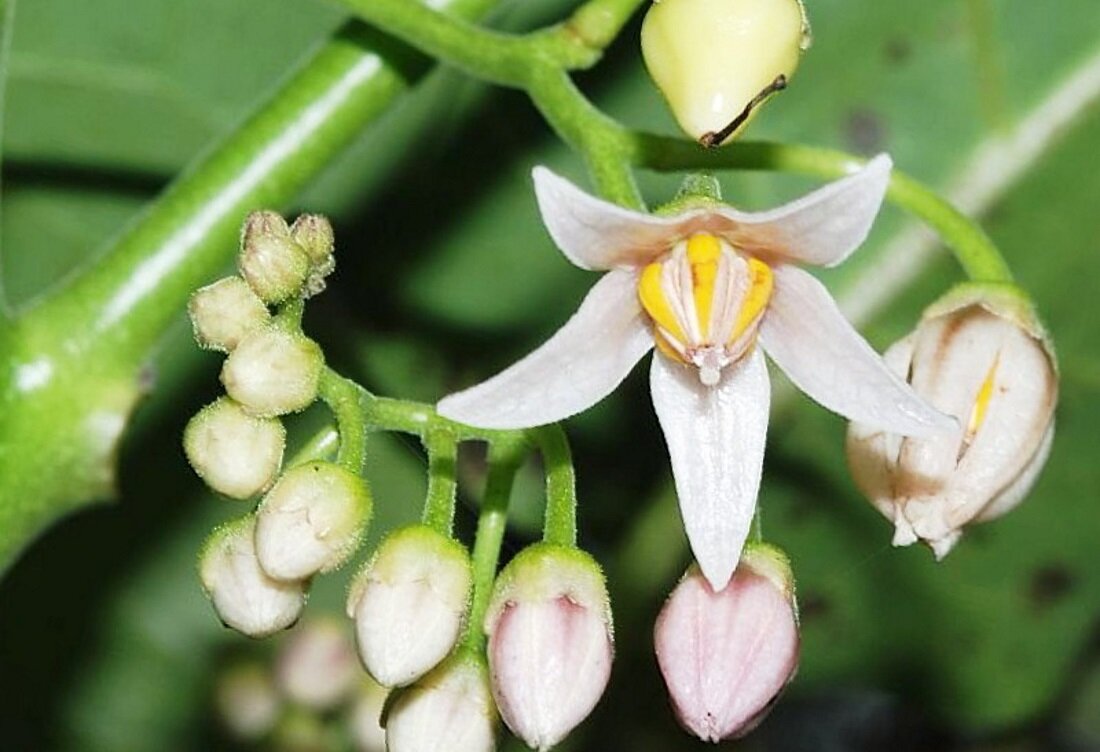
712	287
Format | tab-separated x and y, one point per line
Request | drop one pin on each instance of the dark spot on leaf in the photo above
1049	585
897	50
865	132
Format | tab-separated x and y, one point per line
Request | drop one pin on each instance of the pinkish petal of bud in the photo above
550	642
726	656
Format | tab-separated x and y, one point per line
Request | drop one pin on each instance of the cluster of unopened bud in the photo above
310	696
271	369
981	355
311	518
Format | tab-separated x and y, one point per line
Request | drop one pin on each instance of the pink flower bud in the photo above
726	656
550	642
449	710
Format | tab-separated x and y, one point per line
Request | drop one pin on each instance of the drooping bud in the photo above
449	710
550	642
224	312
409	603
235	453
247	702
716	61
244	596
273	372
314	234
980	355
271	261
726	656
311	520
316	666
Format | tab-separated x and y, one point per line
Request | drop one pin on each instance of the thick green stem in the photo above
128	298
76	357
975	252
439	506
342	397
504	460
560	526
601	141
598	22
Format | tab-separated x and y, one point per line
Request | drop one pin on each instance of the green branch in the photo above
439	506
504	460
560	526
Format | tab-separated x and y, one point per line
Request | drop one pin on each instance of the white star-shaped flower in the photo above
706	285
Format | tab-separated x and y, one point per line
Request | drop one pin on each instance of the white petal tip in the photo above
718	575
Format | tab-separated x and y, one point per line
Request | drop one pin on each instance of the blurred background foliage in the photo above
106	642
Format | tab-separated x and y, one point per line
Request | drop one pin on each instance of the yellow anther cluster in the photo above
682	325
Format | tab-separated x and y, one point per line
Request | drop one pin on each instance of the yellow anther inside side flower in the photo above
981	404
705	301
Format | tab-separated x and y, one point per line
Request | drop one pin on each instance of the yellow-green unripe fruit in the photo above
712	58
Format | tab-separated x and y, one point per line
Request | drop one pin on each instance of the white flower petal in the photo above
821	228
580	365
715	439
595	234
808	337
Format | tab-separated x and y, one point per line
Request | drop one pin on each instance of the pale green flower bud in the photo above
311	521
716	60
449	710
235	453
224	312
271	261
550	642
273	372
316	666
314	234
244	596
409	603
247	702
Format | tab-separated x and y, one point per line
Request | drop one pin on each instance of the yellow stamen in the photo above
664	346
703	252
655	303
760	292
981	404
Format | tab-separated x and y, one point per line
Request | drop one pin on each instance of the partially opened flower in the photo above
705	284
